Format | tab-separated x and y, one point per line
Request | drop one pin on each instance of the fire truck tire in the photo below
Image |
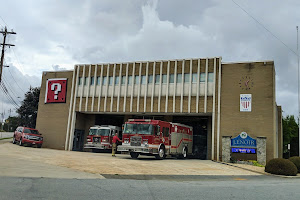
161	154
134	155
184	153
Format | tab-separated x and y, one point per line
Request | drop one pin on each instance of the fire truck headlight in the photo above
89	140
126	141
145	142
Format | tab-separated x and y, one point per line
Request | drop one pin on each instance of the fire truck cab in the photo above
156	137
100	137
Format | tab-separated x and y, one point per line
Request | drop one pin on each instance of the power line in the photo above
10	89
15	80
265	28
8	96
20	66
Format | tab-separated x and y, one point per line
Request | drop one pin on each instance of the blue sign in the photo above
243	140
243	150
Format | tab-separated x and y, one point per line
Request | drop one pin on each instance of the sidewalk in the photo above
104	163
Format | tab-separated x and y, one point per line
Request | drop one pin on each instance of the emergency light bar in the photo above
139	120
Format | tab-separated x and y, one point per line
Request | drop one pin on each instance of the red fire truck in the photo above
100	137
156	137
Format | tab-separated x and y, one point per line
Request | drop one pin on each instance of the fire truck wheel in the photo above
184	153
134	155
161	153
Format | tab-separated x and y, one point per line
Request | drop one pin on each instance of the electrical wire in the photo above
20	65
265	28
7	93
10	89
9	98
16	82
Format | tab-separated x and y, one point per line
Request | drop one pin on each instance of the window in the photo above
143	80
194	77
202	77
166	132
137	79
129	80
157	79
92	80
104	80
186	78
117	80
146	129
164	78
110	82
80	81
123	80
211	77
171	78
85	80
98	80
179	78
150	79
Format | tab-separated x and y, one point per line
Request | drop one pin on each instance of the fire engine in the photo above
156	137
100	137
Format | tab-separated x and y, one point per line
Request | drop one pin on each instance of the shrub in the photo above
296	161
281	166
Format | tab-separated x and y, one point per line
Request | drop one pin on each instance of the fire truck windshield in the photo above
103	132
146	129
93	132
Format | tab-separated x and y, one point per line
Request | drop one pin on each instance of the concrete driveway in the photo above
48	161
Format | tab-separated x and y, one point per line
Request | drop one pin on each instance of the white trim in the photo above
113	89
120	83
167	90
205	92
126	85
70	110
198	86
146	87
175	84
82	91
160	83
95	85
88	88
219	104
71	135
139	89
132	87
107	85
214	111
52	79
153	84
182	85
100	88
190	88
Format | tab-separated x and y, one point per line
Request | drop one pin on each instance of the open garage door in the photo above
199	125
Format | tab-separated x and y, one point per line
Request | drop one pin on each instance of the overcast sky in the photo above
55	35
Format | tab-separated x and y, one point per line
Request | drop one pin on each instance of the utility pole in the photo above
298	92
4	32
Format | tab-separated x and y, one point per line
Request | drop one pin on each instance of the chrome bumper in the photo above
97	146
138	149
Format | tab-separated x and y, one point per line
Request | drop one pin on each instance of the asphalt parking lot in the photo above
105	164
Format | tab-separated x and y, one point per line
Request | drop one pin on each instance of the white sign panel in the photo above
245	102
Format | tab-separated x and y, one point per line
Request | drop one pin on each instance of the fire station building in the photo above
217	99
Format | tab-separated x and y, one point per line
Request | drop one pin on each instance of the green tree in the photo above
290	129
11	123
28	110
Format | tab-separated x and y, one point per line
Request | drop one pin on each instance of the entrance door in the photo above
78	140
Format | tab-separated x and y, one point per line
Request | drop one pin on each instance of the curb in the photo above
262	173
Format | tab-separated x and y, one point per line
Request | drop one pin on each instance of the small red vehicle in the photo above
29	136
